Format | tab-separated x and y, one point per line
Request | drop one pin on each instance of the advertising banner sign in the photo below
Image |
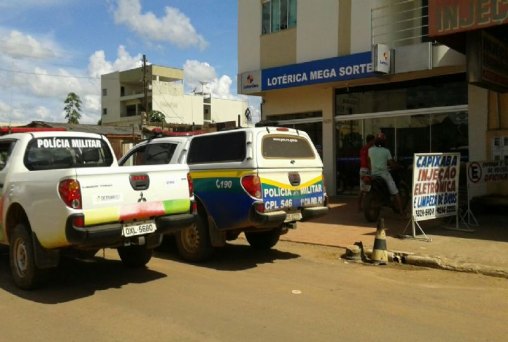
435	185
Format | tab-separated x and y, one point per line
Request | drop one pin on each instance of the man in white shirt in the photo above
380	160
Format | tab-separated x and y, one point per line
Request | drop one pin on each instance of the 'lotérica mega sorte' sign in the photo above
321	71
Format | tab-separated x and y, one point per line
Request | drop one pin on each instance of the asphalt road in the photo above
296	292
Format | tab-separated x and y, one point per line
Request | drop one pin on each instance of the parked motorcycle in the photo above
379	196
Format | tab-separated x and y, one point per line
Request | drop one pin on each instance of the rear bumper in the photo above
313	212
110	235
277	218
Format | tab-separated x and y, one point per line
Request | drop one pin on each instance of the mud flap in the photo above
44	258
217	237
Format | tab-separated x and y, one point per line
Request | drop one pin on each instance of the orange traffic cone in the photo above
379	253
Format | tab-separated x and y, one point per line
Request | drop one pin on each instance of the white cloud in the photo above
32	90
197	72
98	65
91	103
174	27
16	44
221	87
43	114
201	76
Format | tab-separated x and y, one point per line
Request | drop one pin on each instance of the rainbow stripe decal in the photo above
138	211
278	196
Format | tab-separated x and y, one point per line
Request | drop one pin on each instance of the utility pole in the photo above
144	113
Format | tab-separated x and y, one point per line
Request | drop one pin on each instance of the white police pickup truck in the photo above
258	181
64	192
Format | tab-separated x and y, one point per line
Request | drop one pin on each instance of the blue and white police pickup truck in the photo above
258	181
64	192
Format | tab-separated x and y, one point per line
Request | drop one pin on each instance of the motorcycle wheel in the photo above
404	198
371	207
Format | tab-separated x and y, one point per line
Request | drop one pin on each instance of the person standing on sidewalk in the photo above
364	169
380	159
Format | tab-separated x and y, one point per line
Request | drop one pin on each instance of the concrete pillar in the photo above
329	145
477	131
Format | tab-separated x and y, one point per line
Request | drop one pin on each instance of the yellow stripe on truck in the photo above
291	187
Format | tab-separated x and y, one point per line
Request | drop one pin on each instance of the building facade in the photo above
127	94
342	69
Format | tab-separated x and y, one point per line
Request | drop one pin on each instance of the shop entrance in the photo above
439	129
417	116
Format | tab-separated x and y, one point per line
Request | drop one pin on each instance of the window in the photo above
286	147
61	153
278	15
131	110
151	154
227	147
104	92
265	25
5	152
104	111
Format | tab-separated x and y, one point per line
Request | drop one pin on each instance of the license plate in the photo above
138	228
293	217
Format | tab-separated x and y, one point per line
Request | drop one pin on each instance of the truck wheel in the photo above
263	240
135	256
24	271
193	243
371	207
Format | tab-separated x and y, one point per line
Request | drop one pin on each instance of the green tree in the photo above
156	116
72	108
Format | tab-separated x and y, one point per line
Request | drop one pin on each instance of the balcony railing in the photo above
400	22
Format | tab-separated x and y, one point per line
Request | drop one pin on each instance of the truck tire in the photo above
135	256
25	273
263	240
193	244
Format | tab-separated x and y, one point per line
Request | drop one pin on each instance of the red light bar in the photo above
7	130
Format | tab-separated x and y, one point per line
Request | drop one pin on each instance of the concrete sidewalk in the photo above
485	250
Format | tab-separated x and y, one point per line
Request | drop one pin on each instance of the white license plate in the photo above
138	228
293	217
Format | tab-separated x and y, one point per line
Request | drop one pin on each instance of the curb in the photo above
451	265
443	264
410	258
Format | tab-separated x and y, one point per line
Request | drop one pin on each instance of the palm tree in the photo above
72	108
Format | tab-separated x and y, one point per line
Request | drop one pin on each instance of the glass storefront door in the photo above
417	116
406	134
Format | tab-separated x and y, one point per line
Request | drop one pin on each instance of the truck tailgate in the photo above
291	188
133	192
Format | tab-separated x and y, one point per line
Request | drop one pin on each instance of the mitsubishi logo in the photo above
141	198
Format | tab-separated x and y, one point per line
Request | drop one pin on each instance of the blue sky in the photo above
49	48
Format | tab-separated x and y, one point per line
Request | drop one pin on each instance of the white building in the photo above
342	69
124	94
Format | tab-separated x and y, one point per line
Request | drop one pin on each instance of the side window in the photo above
159	153
227	147
135	158
151	154
5	152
